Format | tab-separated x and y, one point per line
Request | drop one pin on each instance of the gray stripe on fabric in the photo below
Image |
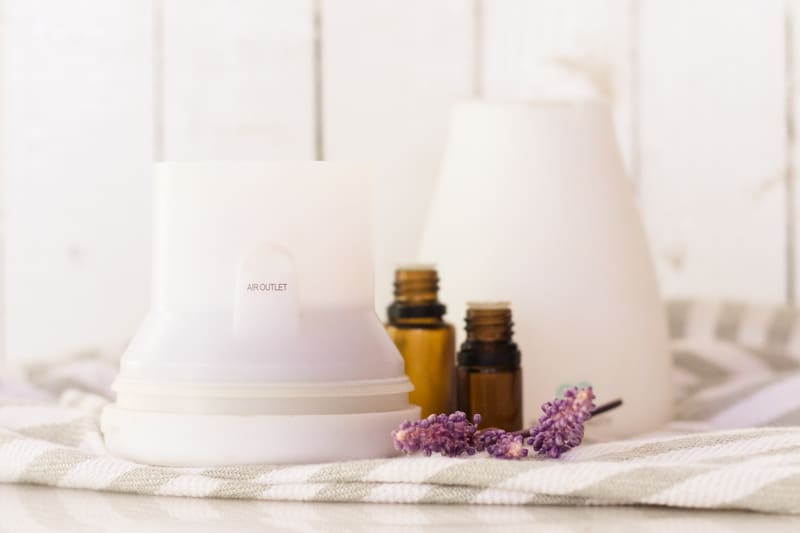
344	492
68	434
350	471
636	485
143	480
49	467
781	496
238	490
729	320
694	362
698	408
678	317
781	325
6	438
791	418
548	499
451	494
775	357
61	384
239	473
683	443
689	390
485	472
751	455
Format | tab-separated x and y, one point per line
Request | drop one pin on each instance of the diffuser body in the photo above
261	344
533	206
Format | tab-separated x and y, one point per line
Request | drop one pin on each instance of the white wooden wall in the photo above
92	91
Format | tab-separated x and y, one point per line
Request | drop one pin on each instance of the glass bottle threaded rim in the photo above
416	293
489	341
416	284
489	322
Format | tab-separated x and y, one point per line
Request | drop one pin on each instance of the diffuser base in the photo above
177	439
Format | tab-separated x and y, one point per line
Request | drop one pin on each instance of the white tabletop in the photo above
40	509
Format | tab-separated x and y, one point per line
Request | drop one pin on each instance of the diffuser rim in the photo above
197	440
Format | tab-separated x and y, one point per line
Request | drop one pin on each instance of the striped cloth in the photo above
735	443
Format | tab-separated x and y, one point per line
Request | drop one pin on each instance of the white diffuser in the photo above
532	206
261	345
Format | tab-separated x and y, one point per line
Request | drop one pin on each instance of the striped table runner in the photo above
735	443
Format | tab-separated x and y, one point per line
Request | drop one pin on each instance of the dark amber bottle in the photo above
489	374
425	340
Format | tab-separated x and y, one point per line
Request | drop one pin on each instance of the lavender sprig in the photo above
561	427
450	436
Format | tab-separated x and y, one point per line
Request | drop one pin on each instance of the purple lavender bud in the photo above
485	438
500	443
561	427
508	446
450	436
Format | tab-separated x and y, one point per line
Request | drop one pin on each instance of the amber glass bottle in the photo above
489	375
425	340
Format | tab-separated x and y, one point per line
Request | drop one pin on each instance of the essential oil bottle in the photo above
489	374
425	340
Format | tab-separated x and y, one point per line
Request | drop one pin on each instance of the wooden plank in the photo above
77	153
712	93
391	72
546	49
237	79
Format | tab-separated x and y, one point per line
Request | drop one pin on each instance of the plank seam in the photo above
477	49
159	79
634	87
319	84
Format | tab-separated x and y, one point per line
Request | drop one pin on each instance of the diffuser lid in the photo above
262	274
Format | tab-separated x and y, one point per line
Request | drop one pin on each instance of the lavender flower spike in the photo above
501	444
561	427
508	446
450	436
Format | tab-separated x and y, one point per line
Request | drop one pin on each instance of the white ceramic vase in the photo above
533	206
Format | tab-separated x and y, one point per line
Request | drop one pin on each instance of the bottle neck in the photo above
489	337
489	324
416	298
